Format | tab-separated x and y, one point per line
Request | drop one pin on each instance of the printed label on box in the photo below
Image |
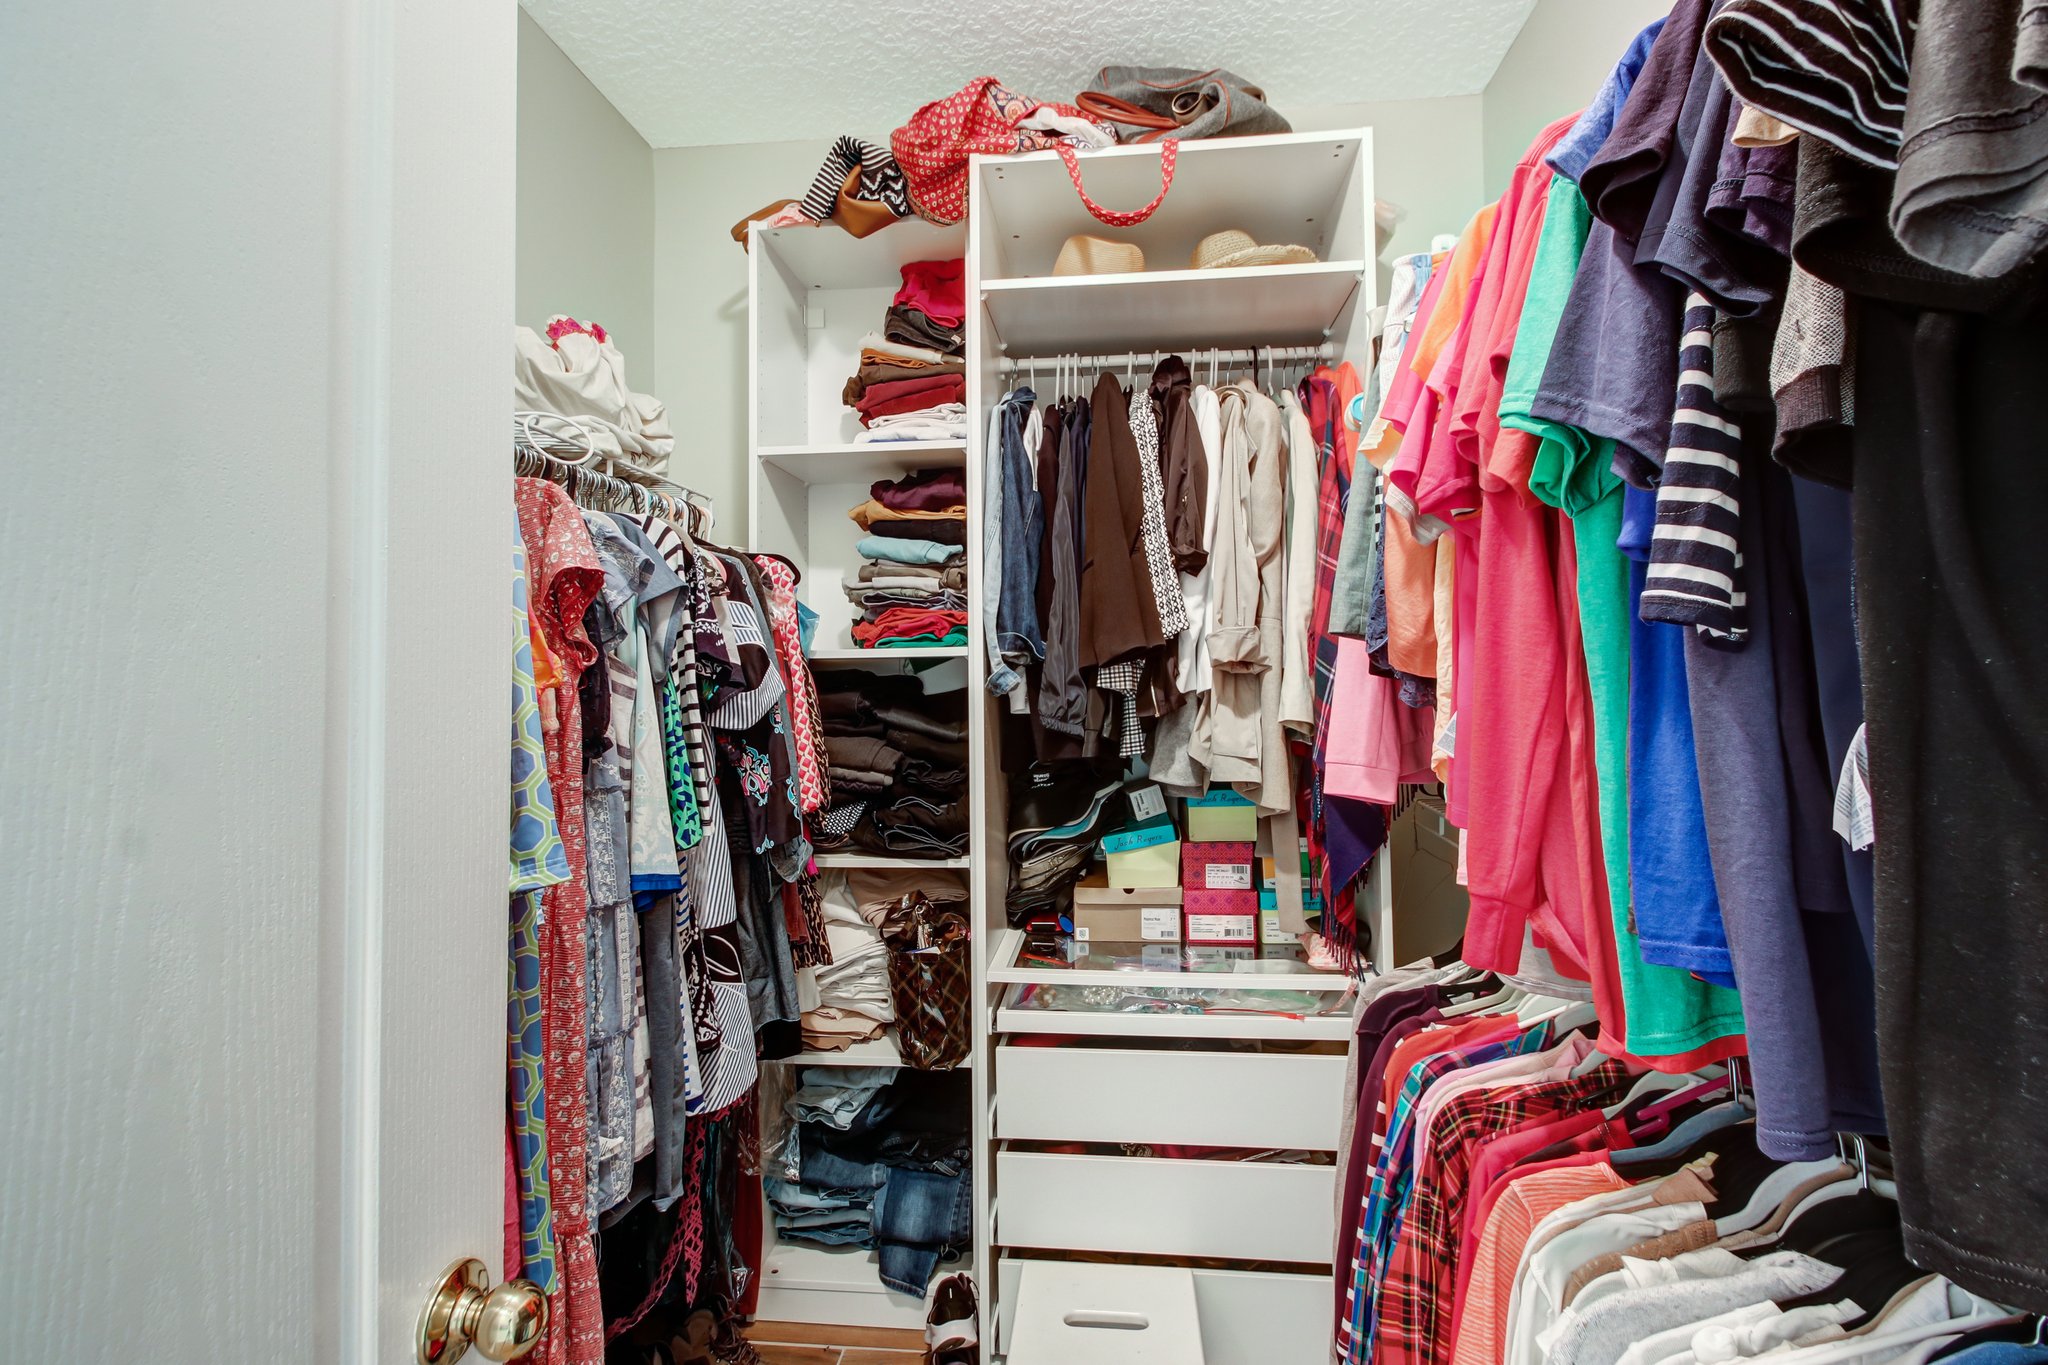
1161	923
1228	876
1147	803
1222	928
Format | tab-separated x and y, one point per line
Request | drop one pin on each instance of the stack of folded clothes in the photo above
899	768
878	1159
912	383
853	989
912	587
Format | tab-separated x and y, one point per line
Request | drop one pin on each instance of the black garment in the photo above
1824	548
938	530
1949	586
662	974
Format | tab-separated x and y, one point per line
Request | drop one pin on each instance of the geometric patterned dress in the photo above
538	861
566	576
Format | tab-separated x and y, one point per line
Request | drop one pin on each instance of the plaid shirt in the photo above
1379	1212
1419	1284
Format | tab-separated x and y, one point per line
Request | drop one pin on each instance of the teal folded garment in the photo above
955	636
908	551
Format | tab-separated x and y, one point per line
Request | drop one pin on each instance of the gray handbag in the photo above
1153	103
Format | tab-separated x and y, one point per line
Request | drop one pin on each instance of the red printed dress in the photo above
566	575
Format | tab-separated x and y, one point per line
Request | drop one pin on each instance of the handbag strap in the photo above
1169	152
1108	108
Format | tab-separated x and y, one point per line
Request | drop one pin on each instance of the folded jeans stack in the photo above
879	1166
899	768
912	589
912	383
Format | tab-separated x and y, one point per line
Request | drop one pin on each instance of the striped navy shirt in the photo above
1695	572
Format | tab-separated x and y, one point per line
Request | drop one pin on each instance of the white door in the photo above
256	267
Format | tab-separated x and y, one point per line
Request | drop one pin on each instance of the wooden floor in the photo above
791	1343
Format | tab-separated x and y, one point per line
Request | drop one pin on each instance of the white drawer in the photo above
1235	1210
1247	1317
1204	1099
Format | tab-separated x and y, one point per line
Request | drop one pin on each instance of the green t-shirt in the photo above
1670	1012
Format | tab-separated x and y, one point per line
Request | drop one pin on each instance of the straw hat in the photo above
1234	247
1085	255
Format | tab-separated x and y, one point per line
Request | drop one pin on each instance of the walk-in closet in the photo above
1344	687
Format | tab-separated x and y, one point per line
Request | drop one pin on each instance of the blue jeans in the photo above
824	1171
919	1217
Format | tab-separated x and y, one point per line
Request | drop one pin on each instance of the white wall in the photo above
1557	64
1427	158
586	205
700	304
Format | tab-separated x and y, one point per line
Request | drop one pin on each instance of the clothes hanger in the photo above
1890	1345
1648	1084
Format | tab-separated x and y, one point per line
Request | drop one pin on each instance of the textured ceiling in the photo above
702	72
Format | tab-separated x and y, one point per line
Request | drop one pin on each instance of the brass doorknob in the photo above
464	1311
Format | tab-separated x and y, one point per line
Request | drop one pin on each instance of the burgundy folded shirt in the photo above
928	490
911	395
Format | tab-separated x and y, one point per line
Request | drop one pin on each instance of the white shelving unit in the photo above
1273	1072
814	293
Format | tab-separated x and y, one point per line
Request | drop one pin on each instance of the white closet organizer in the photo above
1255	1238
814	293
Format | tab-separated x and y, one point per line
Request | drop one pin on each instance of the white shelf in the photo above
887	863
829	257
859	461
881	1051
1249	975
1294	189
1268	305
868	656
839	1285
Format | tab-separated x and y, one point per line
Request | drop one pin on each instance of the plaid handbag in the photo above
931	982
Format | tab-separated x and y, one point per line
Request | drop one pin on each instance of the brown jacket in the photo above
1119	616
1184	466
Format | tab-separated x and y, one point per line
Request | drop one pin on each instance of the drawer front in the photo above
1203	1099
1247	1317
1248	1211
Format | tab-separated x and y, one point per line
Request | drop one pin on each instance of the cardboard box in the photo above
1157	865
1136	922
1218	879
1133	837
1121	914
1223	948
1270	931
1222	816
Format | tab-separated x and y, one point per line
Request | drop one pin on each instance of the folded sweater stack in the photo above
912	383
912	587
899	768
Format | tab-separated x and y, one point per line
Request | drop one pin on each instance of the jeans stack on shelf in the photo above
899	766
912	383
912	585
877	1158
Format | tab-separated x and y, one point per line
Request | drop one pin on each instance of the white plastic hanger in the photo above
1652	1083
1893	1343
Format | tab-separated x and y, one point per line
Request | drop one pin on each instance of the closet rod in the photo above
1275	355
